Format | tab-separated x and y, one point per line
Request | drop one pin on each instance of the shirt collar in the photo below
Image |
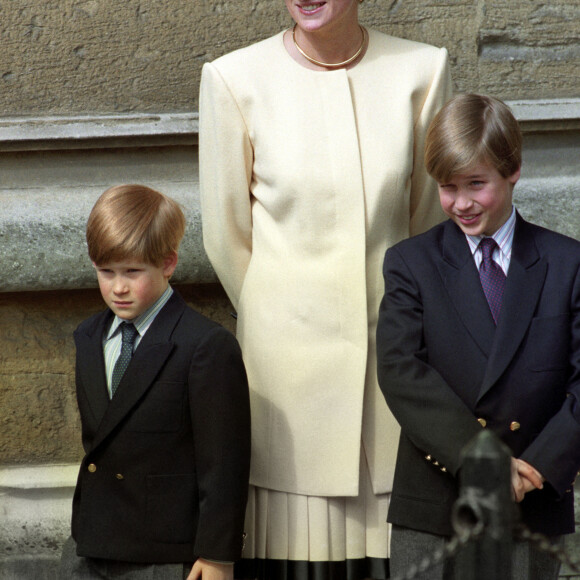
503	237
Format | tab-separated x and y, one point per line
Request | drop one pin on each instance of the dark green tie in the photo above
129	332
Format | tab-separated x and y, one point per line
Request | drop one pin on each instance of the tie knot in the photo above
129	332
487	245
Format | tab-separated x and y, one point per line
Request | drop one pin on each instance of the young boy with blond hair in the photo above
164	406
479	327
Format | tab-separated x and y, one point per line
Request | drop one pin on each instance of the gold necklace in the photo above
329	64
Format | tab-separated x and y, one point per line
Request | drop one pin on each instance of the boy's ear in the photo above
513	179
169	264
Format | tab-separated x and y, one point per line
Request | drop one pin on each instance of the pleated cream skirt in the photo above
286	526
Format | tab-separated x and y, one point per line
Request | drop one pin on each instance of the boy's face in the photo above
480	200
130	287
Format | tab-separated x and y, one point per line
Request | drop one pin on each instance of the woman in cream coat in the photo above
309	170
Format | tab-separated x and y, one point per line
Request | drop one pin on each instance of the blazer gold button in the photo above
444	469
119	476
482	422
92	468
514	426
428	457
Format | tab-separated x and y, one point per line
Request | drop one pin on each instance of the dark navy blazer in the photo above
165	475
442	365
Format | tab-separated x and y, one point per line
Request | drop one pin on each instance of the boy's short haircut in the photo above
134	222
472	129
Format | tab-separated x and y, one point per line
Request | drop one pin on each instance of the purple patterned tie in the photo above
491	276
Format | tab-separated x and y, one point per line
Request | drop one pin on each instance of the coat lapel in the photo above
90	367
524	284
147	361
462	282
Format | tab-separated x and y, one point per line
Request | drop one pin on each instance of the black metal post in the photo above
485	506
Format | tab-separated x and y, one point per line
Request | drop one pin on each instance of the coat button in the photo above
482	422
514	426
119	476
92	468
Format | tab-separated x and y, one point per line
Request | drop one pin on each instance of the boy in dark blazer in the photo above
460	349
164	409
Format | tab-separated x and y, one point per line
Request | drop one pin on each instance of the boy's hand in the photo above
205	570
525	478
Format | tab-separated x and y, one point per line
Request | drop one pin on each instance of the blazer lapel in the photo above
90	367
524	284
461	280
147	361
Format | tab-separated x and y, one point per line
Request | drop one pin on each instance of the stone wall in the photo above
97	92
78	56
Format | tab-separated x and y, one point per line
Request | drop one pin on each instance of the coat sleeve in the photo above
220	415
425	207
555	452
430	413
225	169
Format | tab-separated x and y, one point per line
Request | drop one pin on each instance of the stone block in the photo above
36	509
103	56
38	416
29	568
45	209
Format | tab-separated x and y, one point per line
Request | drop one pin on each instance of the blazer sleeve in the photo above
220	415
555	452
430	413
225	169
425	207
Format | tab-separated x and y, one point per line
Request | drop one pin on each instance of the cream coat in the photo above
306	178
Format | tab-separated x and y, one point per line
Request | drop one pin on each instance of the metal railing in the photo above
484	520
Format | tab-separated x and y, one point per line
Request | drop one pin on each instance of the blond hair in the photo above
134	222
472	129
